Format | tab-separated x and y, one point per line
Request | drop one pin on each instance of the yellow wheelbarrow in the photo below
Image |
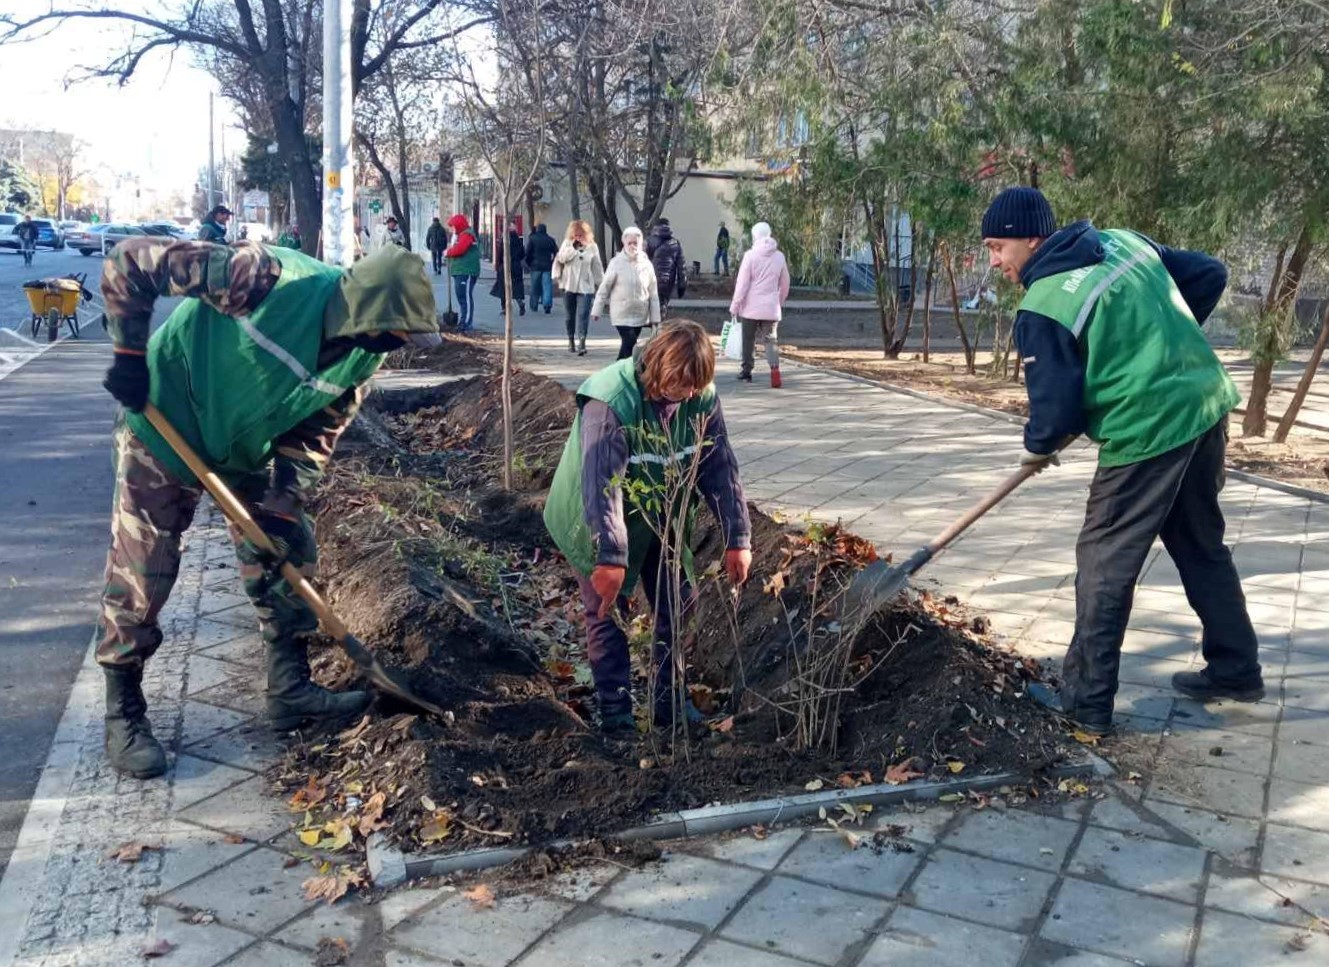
55	303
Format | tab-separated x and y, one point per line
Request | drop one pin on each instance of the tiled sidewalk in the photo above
1206	859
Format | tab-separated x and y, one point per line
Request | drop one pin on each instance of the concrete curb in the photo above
1242	475
390	867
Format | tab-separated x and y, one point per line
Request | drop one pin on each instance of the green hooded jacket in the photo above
231	385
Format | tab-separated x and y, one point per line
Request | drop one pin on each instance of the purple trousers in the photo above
607	645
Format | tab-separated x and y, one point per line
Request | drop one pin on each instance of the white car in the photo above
8	221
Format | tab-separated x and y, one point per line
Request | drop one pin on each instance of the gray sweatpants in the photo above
769	332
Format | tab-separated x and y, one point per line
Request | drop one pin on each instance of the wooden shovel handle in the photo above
996	496
238	514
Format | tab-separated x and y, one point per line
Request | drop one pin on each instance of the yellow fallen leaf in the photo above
956	766
436	829
481	895
814	785
1084	738
310	837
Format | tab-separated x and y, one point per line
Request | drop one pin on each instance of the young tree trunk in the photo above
955	309
879	244
304	186
1284	297
927	301
1307	375
899	345
506	386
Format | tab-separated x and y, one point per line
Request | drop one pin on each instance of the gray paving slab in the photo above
245	809
1103	919
256	892
916	938
606	939
189	851
804	920
1150	866
270	955
1233	793
1227	749
199	945
1296	853
1299	804
1014	836
1043	953
997	894
1231	940
1270	898
685	889
747	849
1231	837
825	857
494	937
722	953
344	920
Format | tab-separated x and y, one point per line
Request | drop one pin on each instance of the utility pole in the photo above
338	127
212	169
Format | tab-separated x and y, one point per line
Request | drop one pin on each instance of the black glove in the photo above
292	537
128	381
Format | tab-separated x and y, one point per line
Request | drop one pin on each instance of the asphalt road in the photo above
55	499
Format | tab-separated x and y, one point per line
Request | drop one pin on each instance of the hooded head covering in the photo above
382	292
458	223
760	230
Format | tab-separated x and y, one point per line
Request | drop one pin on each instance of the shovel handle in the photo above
966	520
238	514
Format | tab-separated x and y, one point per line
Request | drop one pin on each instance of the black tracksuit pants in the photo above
1174	496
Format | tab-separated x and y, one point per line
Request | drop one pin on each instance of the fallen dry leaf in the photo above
724	725
759	832
160	949
1084	738
852	780
481	896
437	828
814	785
333	886
956	766
131	852
902	772
201	917
233	839
309	796
703	697
372	816
776	584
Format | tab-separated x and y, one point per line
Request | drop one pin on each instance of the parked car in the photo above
7	237
102	238
163	229
49	234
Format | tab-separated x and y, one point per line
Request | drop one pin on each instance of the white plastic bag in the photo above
731	339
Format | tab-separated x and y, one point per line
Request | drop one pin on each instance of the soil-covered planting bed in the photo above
455	584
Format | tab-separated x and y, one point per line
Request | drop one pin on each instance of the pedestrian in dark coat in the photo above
436	240
516	252
541	248
1109	332
666	254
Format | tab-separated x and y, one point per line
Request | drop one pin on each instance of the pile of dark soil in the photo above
455	583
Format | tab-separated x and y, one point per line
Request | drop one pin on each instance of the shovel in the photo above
878	585
236	512
450	317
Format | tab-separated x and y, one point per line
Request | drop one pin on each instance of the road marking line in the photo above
27	863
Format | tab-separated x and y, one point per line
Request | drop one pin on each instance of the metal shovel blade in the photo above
382	679
872	589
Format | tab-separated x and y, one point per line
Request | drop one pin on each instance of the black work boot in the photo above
1199	686
293	700
1046	696
131	747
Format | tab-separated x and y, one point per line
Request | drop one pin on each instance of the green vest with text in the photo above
1152	383
468	263
657	455
231	386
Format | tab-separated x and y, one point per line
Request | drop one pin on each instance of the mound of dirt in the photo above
455	583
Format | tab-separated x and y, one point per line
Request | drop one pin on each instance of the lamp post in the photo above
338	127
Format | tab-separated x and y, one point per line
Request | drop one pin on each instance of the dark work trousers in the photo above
1174	496
577	307
627	339
607	645
437	255
769	332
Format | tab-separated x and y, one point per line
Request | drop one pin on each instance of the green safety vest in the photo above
467	263
1152	382
232	385
651	452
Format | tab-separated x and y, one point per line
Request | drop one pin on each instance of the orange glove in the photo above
607	579
737	563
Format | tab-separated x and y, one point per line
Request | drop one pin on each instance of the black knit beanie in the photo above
1019	212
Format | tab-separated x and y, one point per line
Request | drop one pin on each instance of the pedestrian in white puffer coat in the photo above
630	293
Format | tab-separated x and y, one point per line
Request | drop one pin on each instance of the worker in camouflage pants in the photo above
260	369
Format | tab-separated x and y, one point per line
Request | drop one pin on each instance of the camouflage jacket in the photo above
233	280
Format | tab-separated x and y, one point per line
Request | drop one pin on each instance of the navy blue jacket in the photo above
1053	362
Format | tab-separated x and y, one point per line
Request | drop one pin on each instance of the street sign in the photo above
375	206
94	218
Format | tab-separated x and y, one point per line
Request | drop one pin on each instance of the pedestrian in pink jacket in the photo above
760	292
